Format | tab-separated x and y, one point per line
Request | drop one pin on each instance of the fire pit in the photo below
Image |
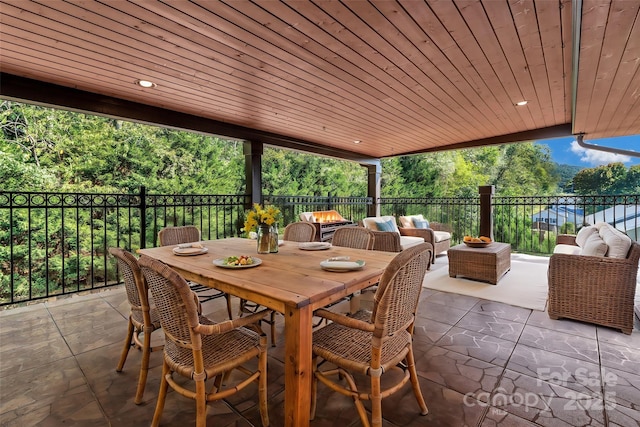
326	223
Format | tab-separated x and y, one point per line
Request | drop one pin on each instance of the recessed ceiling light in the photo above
145	83
521	103
357	141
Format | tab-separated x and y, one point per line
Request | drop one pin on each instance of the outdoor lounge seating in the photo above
592	277
199	349
375	343
387	235
438	234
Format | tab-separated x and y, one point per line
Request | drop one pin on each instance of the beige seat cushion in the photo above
441	236
409	241
567	249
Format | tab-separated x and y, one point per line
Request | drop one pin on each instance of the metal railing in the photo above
56	243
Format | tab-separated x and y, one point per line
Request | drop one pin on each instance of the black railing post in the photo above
143	217
486	210
253	151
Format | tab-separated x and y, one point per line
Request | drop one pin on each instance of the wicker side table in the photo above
488	264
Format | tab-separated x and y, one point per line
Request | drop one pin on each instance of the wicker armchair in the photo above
198	349
299	232
357	238
371	344
389	239
594	289
143	319
438	234
353	237
169	236
386	241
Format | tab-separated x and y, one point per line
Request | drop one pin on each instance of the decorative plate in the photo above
341	266
314	246
222	263
189	251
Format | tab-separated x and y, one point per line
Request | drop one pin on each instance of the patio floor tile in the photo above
480	364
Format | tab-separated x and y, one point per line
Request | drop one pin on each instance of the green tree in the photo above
606	179
286	172
525	168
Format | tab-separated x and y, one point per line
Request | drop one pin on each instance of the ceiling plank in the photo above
621	61
21	89
402	76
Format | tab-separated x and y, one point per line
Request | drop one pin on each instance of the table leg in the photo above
297	366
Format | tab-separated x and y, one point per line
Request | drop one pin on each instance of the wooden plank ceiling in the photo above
401	76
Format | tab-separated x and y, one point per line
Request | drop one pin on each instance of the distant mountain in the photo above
566	173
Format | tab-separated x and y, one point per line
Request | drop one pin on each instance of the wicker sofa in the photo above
592	281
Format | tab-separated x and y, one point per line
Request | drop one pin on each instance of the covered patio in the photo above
360	81
480	363
355	80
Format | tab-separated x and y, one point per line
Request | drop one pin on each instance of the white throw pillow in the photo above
618	242
307	217
584	234
371	222
594	246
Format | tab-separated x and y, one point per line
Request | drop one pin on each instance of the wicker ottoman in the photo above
488	264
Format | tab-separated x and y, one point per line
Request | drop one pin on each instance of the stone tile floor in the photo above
480	363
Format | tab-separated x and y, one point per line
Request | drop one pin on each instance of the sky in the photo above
567	151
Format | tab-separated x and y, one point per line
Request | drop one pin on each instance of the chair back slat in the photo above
353	237
176	235
299	232
134	284
176	304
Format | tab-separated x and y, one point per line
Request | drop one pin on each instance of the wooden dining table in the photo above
291	282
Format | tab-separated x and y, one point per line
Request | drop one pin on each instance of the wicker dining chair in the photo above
299	232
357	238
294	232
353	237
170	236
372	343
199	349
143	318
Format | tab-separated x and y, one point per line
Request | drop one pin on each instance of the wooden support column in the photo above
486	210
252	151
374	174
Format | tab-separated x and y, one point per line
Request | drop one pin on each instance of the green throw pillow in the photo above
420	223
385	225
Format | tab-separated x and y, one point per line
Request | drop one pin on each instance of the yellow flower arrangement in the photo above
261	216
